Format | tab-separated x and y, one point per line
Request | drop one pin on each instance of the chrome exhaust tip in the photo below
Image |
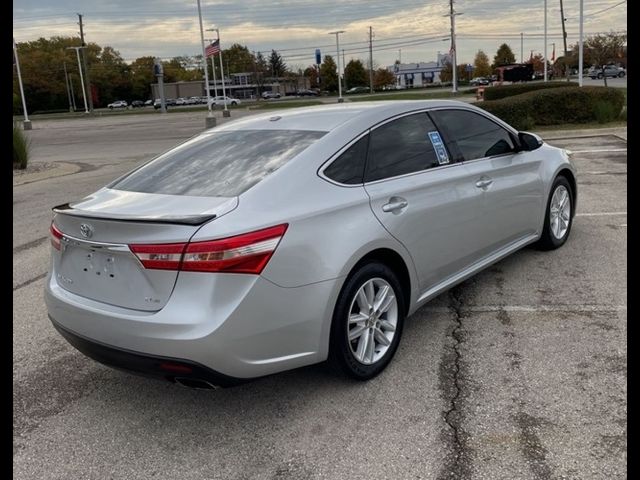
196	383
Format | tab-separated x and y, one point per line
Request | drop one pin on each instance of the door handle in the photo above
394	204
484	182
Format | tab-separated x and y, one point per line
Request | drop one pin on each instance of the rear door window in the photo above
219	164
405	145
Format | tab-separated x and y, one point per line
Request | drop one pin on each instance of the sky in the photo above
410	30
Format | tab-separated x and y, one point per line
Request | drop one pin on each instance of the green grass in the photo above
21	146
285	104
410	96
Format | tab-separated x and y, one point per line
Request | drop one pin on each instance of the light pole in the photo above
337	33
84	93
210	121
26	123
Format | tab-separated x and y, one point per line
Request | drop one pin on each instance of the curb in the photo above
58	170
620	132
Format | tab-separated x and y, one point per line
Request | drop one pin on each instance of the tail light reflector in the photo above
56	236
245	253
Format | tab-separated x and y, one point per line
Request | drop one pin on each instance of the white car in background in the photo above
224	101
118	104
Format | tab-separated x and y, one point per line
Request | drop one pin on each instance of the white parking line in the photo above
532	308
600	214
600	150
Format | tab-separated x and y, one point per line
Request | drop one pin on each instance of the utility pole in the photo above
66	83
84	92
26	123
73	95
370	60
337	33
581	45
226	112
545	40
84	62
400	55
521	47
564	30
454	56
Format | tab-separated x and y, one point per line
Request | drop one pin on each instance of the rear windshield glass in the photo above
219	164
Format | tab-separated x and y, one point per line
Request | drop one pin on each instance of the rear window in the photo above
220	164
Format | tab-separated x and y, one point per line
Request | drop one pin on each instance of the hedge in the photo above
502	91
555	106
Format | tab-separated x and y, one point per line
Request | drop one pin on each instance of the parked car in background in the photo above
609	71
227	258
137	104
479	81
118	104
170	101
306	93
181	101
148	103
193	100
358	90
220	100
268	95
157	104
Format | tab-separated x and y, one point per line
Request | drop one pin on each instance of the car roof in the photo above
328	117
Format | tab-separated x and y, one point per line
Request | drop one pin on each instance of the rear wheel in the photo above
559	216
367	322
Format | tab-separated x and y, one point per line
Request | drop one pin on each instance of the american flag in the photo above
212	49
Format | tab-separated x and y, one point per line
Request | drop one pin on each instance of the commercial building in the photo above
421	74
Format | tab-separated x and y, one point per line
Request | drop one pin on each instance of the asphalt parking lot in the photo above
519	372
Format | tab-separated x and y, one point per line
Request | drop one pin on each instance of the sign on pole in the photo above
318	57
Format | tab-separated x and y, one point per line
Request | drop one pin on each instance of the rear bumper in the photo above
154	366
240	326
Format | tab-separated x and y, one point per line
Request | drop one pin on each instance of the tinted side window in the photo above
219	164
348	168
403	146
474	135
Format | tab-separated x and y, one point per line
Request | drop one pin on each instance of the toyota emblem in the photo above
86	230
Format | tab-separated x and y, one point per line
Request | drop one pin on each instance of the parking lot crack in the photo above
457	465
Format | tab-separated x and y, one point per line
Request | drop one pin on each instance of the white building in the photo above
421	74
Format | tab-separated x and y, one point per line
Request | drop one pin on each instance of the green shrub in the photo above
555	106
20	148
605	112
503	91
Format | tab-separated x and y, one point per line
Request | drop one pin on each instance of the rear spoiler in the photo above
67	209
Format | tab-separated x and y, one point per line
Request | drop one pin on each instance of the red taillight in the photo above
165	256
56	236
246	253
175	368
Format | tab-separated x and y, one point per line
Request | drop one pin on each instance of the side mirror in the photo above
529	141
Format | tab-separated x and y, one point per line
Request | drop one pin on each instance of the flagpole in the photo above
226	112
26	123
208	121
215	81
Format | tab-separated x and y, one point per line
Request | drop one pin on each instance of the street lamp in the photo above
26	123
340	99
84	93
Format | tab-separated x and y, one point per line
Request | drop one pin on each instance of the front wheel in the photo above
559	216
621	75
367	322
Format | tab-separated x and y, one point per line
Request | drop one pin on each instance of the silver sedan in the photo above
288	239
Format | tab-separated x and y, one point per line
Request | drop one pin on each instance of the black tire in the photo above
548	241
600	76
341	357
621	74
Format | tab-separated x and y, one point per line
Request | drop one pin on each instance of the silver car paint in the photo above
247	326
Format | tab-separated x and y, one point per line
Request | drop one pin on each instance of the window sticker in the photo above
438	146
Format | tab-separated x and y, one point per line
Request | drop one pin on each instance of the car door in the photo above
509	181
422	196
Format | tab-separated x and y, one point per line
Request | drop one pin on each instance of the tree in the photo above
601	49
142	77
329	74
538	63
383	77
355	75
276	65
238	58
260	71
311	72
446	74
504	56
481	65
